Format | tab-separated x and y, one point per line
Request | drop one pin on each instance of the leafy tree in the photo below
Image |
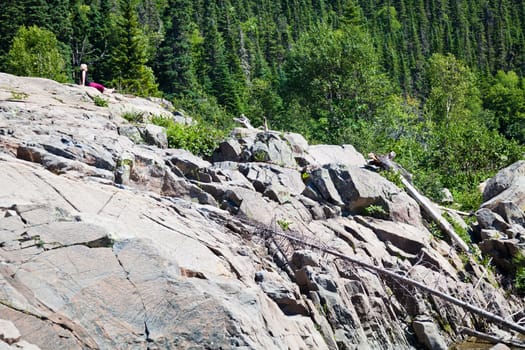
35	53
332	80
453	91
506	98
461	155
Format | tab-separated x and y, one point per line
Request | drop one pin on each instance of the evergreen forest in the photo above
440	82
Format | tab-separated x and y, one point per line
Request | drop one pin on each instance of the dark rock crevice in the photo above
137	291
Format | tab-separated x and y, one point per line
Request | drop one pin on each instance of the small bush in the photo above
133	116
435	231
260	156
100	101
460	230
518	260
284	224
394	177
199	139
15	95
470	200
376	211
519	280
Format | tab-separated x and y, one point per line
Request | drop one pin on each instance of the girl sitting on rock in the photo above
84	81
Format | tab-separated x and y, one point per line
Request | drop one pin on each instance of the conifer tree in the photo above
129	54
174	63
36	12
11	18
218	80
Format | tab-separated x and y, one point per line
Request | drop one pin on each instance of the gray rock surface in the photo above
501	219
428	334
110	243
334	154
154	135
8	332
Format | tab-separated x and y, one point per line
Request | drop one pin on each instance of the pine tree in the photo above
174	63
218	80
37	12
11	18
129	55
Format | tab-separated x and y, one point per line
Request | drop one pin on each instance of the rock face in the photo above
501	219
108	240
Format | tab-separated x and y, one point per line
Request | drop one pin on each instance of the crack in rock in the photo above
61	321
146	330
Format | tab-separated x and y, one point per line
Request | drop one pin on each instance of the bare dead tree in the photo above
406	281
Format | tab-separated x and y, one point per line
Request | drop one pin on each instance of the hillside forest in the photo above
440	82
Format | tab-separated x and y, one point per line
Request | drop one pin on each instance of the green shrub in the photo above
519	280
394	177
284	224
376	211
207	110
518	260
460	230
15	95
133	116
469	199
35	53
199	139
100	101
435	231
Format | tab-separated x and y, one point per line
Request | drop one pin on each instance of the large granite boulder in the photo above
501	219
357	189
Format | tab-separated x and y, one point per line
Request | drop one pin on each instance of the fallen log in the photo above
386	162
489	316
491	338
459	212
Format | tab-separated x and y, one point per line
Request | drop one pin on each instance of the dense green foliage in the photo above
35	52
438	81
196	138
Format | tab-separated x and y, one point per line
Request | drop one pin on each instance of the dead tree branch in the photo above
491	338
489	316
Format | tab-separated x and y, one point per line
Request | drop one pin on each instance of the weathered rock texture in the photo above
110	241
501	219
